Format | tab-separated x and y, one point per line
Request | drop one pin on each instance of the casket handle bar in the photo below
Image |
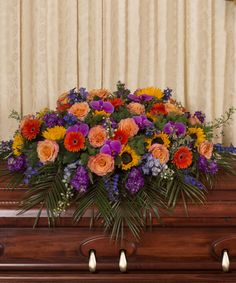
225	261
123	261
92	261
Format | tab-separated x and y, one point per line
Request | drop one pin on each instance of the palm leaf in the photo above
46	190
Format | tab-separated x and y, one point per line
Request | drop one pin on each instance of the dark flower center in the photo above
32	129
157	140
75	141
126	157
181	156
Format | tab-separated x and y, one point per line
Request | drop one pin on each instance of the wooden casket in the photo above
180	248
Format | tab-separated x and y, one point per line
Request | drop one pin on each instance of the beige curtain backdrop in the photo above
49	46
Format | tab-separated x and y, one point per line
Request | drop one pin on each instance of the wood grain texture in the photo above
178	249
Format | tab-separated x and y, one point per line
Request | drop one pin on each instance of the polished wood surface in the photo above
177	249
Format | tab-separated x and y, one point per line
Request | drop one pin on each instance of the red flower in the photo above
121	136
158	108
63	102
30	128
74	141
116	102
183	157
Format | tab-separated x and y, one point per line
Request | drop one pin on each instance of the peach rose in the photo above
97	136
63	102
80	110
101	93
136	108
129	126
101	164
194	121
161	152
205	148
169	107
47	150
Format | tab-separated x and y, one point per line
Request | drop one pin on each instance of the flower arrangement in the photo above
126	154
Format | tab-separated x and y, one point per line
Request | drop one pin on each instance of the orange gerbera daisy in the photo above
116	102
183	157
122	136
30	129
158	109
74	141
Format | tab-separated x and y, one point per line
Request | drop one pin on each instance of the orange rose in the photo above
136	108
194	121
160	151
63	102
101	93
128	126
169	107
205	148
80	110
101	164
97	136
47	150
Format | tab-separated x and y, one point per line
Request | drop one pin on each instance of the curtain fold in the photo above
50	46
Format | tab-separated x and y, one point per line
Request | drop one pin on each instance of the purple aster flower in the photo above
111	185
74	96
51	120
83	92
169	128
113	123
152	165
177	128
187	115
140	98
81	127
220	148
111	147
101	105
208	167
30	172
70	119
80	180
5	146
201	116
135	181
167	93
180	128
16	163
213	167
192	181
142	121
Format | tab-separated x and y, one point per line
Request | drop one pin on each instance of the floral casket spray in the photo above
129	155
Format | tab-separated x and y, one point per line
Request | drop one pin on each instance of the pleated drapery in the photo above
49	46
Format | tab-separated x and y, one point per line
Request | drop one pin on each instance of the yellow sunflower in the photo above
55	133
151	91
129	158
198	134
151	117
101	112
17	144
41	113
161	138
